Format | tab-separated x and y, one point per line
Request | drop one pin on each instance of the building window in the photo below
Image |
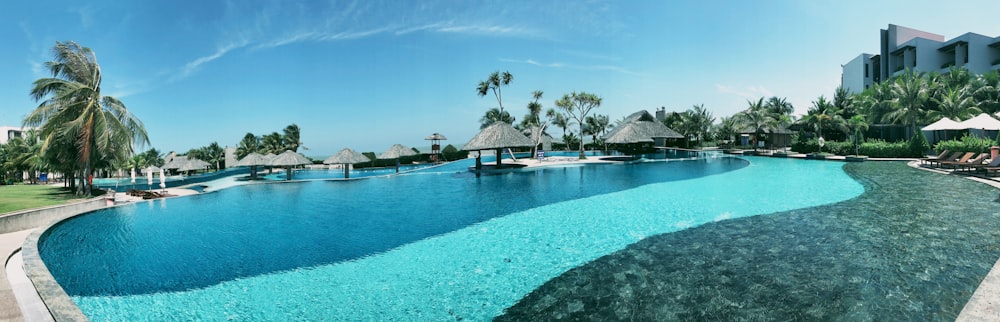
866	70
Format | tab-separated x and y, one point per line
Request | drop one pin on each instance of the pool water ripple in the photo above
477	271
913	247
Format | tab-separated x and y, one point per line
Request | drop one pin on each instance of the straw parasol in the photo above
252	160
269	157
289	159
175	163
346	157
435	139
497	136
193	164
396	151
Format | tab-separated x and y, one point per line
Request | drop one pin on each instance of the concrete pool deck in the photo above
984	305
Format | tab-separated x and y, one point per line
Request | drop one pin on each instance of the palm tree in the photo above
494	115
777	105
291	138
986	90
272	143
910	93
597	125
493	83
727	130
824	114
98	126
249	144
701	120
534	116
577	106
954	103
758	119
562	121
857	124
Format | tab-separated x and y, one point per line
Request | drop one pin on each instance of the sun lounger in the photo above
971	163
939	157
952	157
995	163
954	164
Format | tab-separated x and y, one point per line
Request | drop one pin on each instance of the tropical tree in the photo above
910	92
597	125
494	115
562	121
291	138
857	124
249	144
577	106
776	105
272	143
73	112
757	118
954	103
727	129
534	116
493	83
823	114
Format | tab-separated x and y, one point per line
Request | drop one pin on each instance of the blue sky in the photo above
369	74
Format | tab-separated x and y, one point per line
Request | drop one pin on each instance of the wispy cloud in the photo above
748	92
610	68
193	65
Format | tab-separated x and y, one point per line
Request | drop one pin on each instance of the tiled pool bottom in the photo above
913	247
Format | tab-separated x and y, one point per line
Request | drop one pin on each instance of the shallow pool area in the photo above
427	245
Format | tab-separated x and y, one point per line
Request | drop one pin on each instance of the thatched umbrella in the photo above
346	157
628	133
396	151
193	164
176	163
269	157
497	136
289	159
252	160
435	139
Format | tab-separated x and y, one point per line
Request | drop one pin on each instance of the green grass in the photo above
20	197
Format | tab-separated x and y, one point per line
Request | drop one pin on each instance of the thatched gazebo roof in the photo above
346	156
193	164
436	136
175	163
289	158
252	159
631	132
396	151
658	130
499	135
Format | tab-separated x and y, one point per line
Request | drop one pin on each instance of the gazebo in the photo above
289	159
346	157
944	124
396	151
497	136
252	160
435	139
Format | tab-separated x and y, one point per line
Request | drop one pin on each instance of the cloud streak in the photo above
609	68
749	92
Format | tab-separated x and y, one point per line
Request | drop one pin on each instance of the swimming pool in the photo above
436	244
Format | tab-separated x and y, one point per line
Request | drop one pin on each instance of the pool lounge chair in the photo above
995	163
971	163
952	157
939	157
954	164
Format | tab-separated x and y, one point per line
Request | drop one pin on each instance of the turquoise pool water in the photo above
429	245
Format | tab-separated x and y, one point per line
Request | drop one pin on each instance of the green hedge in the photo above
874	148
966	144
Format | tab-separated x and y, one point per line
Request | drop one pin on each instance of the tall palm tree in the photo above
562	121
757	118
73	109
534	116
777	105
577	106
727	129
249	144
272	143
910	93
291	138
954	103
493	83
824	114
597	125
494	115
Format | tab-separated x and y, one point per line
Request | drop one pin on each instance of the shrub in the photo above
873	148
918	145
451	153
965	144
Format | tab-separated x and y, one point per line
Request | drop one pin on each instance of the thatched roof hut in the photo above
346	157
499	135
193	164
289	159
396	151
628	133
252	160
175	162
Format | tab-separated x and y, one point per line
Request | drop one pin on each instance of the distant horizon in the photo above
369	74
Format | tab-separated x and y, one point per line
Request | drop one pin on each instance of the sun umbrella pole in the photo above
347	171
397	165
288	173
499	157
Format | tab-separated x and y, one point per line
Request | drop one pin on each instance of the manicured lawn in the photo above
19	197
